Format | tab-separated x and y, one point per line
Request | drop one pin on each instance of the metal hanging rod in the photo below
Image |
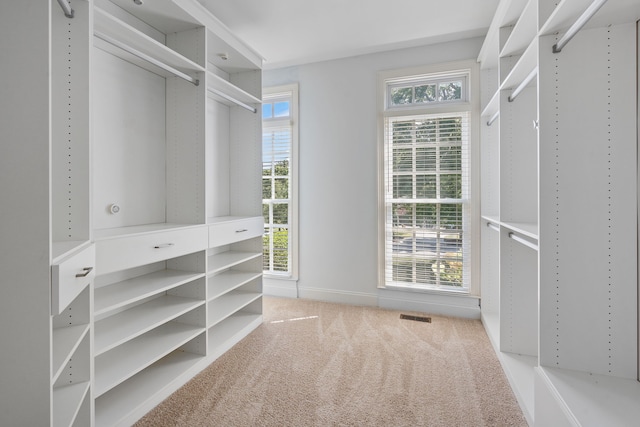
523	241
66	7
522	85
493	118
147	58
232	99
580	22
493	226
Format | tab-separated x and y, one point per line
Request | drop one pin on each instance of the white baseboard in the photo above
337	296
457	306
286	288
441	304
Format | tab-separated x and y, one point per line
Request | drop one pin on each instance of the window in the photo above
426	198
279	147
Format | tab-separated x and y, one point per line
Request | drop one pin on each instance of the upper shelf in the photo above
552	20
230	94
524	31
166	16
113	28
612	13
506	14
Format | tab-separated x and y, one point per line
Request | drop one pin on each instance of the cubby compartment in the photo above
518	165
225	333
130	399
148	63
72	388
71	361
490	279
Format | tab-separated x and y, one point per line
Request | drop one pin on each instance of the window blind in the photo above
427	200
277	145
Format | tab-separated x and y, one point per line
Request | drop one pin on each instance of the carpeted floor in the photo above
320	364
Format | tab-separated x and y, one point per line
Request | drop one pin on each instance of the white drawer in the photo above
71	276
119	253
235	230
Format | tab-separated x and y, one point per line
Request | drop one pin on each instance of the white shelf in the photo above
117	404
228	281
216	83
228	259
612	13
595	400
136	230
122	362
129	324
493	219
227	218
228	332
525	228
60	250
506	14
67	401
108	25
116	295
224	306
492	107
166	15
524	31
520	372
65	342
525	65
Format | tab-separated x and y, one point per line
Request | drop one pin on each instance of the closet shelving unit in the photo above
142	174
235	224
160	313
558	163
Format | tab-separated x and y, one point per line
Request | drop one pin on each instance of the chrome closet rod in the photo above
66	7
522	85
580	22
493	118
232	99
523	241
147	58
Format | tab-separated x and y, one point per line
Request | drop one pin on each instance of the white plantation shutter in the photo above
427	201
278	207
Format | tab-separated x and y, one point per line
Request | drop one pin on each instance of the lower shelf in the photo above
228	332
519	369
146	389
115	366
588	400
67	401
222	307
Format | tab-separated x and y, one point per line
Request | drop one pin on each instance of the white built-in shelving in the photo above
140	169
559	215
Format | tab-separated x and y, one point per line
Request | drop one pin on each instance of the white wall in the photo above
338	177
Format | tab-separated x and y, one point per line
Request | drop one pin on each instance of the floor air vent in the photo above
416	318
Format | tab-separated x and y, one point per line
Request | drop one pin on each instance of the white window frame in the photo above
470	103
290	92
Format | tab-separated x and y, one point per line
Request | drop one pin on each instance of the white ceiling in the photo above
293	32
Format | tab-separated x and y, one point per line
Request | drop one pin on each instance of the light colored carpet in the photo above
320	364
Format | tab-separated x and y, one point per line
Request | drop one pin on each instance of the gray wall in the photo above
338	162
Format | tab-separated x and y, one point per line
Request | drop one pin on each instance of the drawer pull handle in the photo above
241	231
86	270
163	245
